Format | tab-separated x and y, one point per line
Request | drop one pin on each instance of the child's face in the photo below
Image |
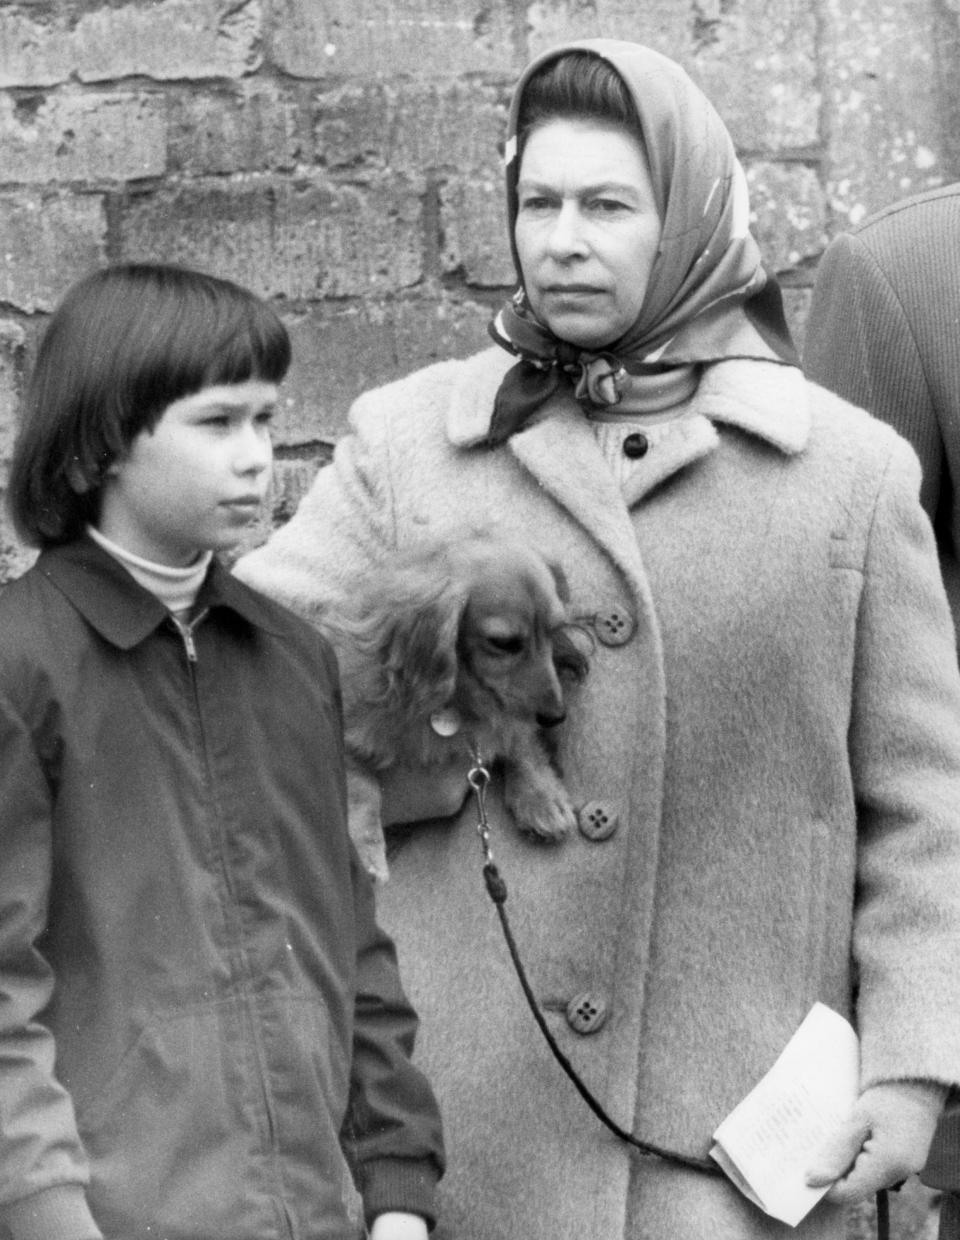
197	480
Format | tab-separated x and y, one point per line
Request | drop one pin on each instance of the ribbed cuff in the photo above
404	1184
59	1213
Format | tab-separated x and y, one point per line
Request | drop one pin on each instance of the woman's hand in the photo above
886	1139
398	1226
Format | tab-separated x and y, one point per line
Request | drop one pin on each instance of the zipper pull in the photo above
189	643
186	632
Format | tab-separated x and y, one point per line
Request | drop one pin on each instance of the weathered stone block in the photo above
46	242
883	103
757	63
371	38
71	137
243	129
788	212
301	240
474	226
662	24
339	352
412	127
15	557
12	340
170	39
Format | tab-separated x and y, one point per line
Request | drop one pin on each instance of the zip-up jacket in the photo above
202	1030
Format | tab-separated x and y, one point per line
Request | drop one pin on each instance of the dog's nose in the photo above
551	721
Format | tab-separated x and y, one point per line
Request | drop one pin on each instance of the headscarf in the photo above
708	296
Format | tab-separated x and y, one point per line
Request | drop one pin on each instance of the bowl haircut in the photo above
124	344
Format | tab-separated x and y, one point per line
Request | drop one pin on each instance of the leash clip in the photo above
478	777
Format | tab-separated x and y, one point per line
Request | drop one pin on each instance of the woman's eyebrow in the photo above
601	187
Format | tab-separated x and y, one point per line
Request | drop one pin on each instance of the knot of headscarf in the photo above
595	377
708	296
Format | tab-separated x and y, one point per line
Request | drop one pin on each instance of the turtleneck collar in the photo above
176	588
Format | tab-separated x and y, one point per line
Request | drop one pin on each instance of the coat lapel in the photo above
560	451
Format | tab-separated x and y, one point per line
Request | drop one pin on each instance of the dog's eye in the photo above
505	644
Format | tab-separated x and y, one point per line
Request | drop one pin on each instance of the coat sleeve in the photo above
392	1132
43	1169
860	344
905	758
343	527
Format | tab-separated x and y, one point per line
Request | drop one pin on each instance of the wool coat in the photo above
765	755
884	332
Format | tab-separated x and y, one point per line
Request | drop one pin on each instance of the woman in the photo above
765	751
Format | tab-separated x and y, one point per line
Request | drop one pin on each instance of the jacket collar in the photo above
121	610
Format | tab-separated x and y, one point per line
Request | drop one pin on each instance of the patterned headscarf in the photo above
708	296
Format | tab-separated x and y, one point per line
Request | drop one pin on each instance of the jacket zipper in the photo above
186	631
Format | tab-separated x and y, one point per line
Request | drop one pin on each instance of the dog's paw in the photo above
539	804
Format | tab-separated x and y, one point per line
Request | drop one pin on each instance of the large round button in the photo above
598	820
614	625
586	1013
635	445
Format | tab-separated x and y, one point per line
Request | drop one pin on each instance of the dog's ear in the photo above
419	653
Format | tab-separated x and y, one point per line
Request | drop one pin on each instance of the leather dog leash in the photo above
478	778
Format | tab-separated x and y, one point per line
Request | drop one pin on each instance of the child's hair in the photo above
126	342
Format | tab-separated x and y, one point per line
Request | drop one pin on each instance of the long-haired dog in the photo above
450	651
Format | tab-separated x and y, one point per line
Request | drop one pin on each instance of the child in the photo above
200	1023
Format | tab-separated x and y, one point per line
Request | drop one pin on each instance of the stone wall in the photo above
341	158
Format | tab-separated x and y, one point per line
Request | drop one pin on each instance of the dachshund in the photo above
448	652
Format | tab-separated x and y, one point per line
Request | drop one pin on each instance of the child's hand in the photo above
885	1140
398	1226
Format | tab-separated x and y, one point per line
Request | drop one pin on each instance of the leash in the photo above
478	778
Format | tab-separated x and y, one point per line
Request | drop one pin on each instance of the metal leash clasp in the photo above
478	777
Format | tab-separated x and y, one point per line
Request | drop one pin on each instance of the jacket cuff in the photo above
58	1213
404	1184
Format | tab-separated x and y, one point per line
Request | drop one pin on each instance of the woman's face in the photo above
587	229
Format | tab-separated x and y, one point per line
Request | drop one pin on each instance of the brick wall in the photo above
340	157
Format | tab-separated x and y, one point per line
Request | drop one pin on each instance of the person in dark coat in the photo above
202	1030
884	332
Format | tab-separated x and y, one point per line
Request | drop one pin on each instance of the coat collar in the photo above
765	399
120	609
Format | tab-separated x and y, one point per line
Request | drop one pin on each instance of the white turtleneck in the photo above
176	588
